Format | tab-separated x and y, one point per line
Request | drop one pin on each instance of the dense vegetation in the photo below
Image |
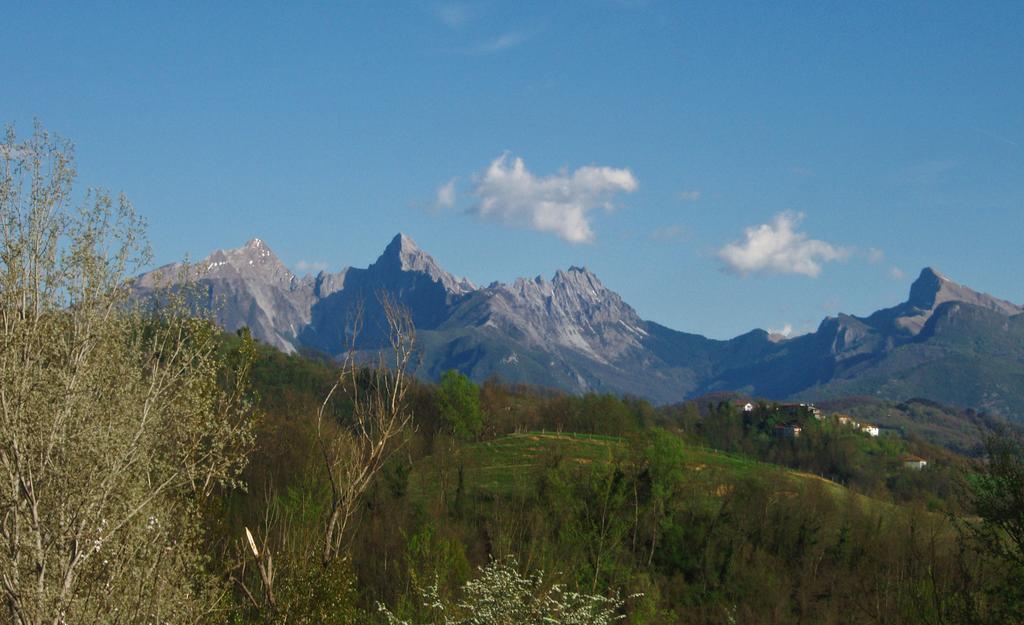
694	513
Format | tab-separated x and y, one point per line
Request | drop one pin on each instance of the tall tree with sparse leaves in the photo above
117	420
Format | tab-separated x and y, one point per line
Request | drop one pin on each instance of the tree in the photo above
117	420
354	455
663	472
458	402
352	452
998	499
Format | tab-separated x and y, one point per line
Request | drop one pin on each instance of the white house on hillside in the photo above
914	462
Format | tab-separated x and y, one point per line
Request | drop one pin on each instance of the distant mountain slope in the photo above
404	272
946	342
964	355
961	430
930	291
248	286
571	332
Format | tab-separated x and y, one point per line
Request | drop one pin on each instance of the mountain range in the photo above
947	342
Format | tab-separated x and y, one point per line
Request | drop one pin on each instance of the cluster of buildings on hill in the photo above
793	429
868	428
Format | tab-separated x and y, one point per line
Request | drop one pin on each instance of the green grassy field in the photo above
512	465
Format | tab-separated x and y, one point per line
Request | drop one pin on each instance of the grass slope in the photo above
512	466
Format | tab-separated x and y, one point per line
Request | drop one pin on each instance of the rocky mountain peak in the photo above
573	310
324	284
926	288
571	331
254	261
403	255
577	274
930	290
402	252
581	282
404	247
254	249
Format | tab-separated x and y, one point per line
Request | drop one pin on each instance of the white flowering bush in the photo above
502	596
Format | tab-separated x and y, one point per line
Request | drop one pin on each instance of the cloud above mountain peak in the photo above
561	203
778	247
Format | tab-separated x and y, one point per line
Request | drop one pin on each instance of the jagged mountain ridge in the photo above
250	286
574	311
574	333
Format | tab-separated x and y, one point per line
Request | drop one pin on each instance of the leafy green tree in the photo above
999	502
664	473
458	401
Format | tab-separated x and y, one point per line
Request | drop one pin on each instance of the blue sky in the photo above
722	166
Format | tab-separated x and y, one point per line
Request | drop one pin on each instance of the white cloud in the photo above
896	273
778	248
510	194
786	331
304	266
446	194
689	196
875	255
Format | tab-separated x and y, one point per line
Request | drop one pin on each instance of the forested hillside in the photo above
698	512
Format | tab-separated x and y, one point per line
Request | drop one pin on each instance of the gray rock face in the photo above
404	273
245	287
326	284
403	256
573	311
251	287
574	333
927	293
